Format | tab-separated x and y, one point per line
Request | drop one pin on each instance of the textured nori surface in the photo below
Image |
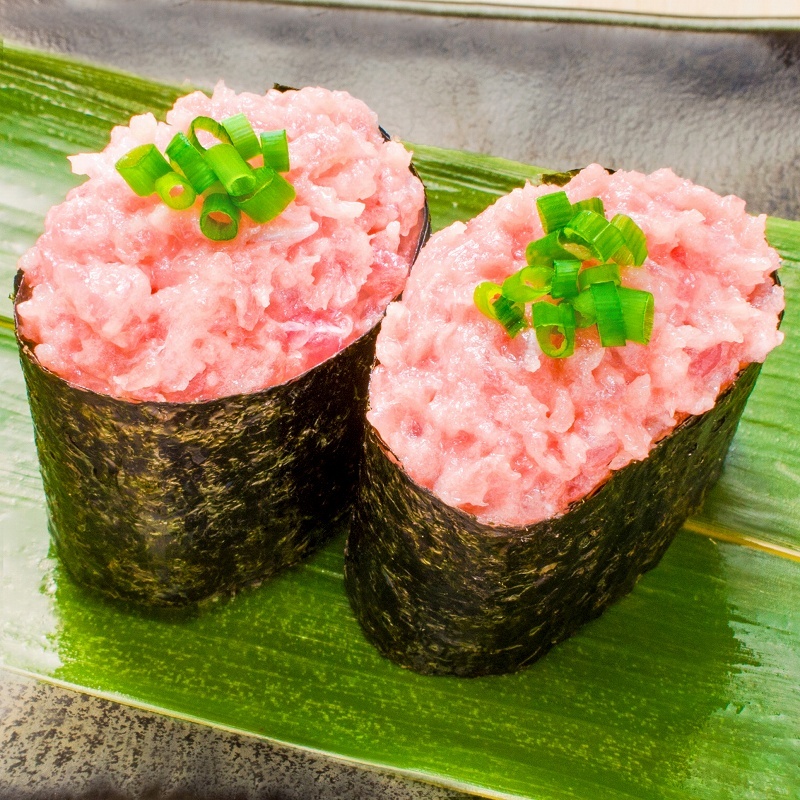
165	504
441	593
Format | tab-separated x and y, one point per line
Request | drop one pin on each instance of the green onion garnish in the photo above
590	235
585	311
608	308
186	156
590	295
510	315
208	125
565	278
599	274
490	302
221	172
590	204
634	250
175	191
637	312
546	247
528	284
275	149
242	136
484	296
219	218
142	167
235	174
555	211
555	328
269	198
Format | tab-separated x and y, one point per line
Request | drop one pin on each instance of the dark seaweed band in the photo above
441	593
165	504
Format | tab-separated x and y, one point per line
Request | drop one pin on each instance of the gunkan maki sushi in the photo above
196	328
554	394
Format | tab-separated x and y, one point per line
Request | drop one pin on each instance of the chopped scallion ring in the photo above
175	191
590	204
634	250
484	296
546	247
599	274
585	311
242	136
565	278
555	328
555	210
208	125
269	198
219	218
233	171
586	236
637	312
510	315
530	283
142	167
610	322
188	158
275	149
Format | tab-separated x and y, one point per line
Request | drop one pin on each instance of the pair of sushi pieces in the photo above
497	499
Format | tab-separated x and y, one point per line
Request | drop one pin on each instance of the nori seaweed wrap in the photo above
441	593
453	569
165	503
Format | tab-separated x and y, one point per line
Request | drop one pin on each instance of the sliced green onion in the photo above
634	250
565	278
575	233
187	157
242	136
530	283
269	198
484	296
590	235
219	218
578	234
555	211
591	204
142	167
584	308
602	273
555	328
209	126
538	260
637	312
546	247
275	149
608	242
233	171
610	322
175	191
510	315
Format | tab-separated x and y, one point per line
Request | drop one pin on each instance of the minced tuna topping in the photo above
131	299
496	428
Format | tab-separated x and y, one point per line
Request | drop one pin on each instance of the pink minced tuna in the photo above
500	430
130	299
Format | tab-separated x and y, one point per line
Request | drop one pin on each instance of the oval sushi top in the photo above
131	299
492	425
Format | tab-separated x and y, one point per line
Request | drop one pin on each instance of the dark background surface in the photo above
720	108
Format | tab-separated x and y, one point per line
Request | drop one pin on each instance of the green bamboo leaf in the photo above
687	688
